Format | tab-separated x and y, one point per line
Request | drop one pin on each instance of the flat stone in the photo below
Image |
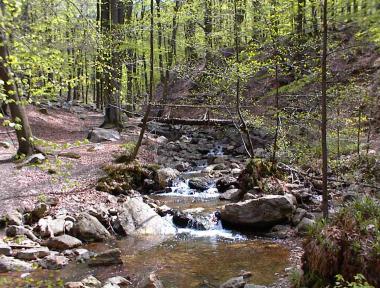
63	242
10	264
98	135
231	195
5	249
13	231
53	262
106	258
33	253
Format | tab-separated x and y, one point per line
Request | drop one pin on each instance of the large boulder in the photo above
166	176
9	264
262	212
138	218
98	135
88	228
231	195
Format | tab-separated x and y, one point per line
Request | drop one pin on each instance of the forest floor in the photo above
75	179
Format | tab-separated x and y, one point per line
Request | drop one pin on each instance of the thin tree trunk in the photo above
18	113
325	208
147	112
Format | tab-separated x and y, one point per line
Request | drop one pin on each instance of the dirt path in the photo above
74	182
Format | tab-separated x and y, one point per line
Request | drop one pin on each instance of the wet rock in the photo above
200	183
225	183
10	264
166	176
63	242
13	217
231	195
82	255
53	262
137	218
164	210
305	225
261	212
183	166
98	135
106	258
88	228
119	281
91	282
5	249
236	282
33	253
13	231
185	220
149	185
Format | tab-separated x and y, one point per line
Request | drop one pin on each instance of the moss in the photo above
255	171
347	245
124	177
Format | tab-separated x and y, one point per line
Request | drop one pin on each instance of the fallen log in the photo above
182	121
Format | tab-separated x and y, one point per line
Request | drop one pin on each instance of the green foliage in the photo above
360	282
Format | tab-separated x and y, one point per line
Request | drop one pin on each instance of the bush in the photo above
347	245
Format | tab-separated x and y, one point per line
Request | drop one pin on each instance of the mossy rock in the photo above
124	177
256	170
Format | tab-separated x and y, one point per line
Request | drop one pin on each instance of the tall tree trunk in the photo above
325	208
112	16
18	113
147	112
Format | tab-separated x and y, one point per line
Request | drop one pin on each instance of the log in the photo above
180	121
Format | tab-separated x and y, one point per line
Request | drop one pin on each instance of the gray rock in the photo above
200	183
261	212
166	176
53	262
305	225
119	281
138	218
13	217
82	255
10	264
63	242
40	211
225	183
88	228
38	158
298	215
5	249
13	231
106	258
236	282
91	282
33	253
48	227
98	135
231	195
254	286
186	220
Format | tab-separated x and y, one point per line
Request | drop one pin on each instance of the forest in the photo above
190	143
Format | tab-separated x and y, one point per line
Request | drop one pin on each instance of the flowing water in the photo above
192	256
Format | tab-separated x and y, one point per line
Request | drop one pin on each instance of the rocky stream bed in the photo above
192	223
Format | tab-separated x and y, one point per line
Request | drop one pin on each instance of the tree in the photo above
325	207
18	113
